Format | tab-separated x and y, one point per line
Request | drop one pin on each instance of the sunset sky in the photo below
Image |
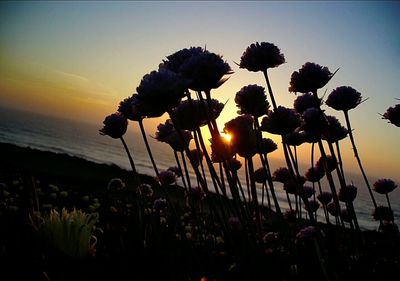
79	59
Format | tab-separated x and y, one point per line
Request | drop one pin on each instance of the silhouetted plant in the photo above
392	114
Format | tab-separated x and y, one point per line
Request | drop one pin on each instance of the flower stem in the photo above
142	130
271	94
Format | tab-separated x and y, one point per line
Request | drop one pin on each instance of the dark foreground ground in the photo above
344	254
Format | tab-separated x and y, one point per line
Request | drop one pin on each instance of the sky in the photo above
78	60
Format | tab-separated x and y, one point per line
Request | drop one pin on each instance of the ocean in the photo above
83	140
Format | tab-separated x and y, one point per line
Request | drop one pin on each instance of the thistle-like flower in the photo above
325	198
281	175
261	56
384	186
309	78
281	121
383	213
267	145
306	101
260	175
334	131
331	163
167	177
243	135
115	125
252	100
343	98
392	114
116	184
347	193
315	174
175	61
313	206
306	233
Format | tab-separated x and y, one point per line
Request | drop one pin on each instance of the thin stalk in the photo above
142	130
180	170
186	170
270	90
254	196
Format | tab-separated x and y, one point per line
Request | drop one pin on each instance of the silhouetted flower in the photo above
295	138
167	177
314	121
116	184
197	156
281	121
306	233
311	136
234	164
325	198
331	208
260	175
383	213
176	170
331	163
313	206
290	186
306	101
115	125
128	107
334	131
261	56
221	149
347	193
190	115
175	61
160	91
384	186
243	135
160	204
252	100
164	130
393	115
205	71
309	78
145	190
166	133
281	175
308	191
343	98
315	174
345	215
267	145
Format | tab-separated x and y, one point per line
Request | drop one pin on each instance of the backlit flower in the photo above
221	149
164	130
145	190
393	115
384	186
306	233
115	125
325	198
252	100
261	56
306	101
260	176
243	135
343	98
267	145
330	161
309	78
295	138
315	174
347	193
116	184
332	209
167	177
129	109
383	213
314	121
290	215
334	131
308	191
313	206
281	175
197	156
175	61
167	133
234	164
176	170
160	91
281	121
205	71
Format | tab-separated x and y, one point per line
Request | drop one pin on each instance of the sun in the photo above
227	137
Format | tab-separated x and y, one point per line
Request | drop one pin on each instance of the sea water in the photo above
83	140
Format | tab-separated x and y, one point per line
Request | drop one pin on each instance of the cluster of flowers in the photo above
182	88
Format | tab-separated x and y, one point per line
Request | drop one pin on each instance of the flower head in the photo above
260	176
205	71
167	133
334	131
325	198
243	135
145	190
197	156
384	186
309	78
331	208
261	56
281	121
252	100
295	138
267	145
347	193
160	204
392	114
281	175
314	121
167	177
115	125
305	101
116	184
313	206
315	174
308	191
383	213
290	215
128	107
234	164
176	170
306	233
330	161
160	91
343	98
221	149
175	61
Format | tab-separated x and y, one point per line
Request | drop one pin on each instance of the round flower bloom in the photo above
308	191
267	145
145	190
116	184
306	233
383	213
309	78
160	204
260	175
313	206
221	149
315	174
164	130
393	115
281	175
311	136
325	198
205	71
252	100
314	121
281	121
334	131
343	98
243	135
331	208
115	125
345	215
234	164
167	133
167	177
295	138
129	107
175	61
331	163
190	115
348	193
384	186
261	56
290	186
306	101
197	156
176	170
160	91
